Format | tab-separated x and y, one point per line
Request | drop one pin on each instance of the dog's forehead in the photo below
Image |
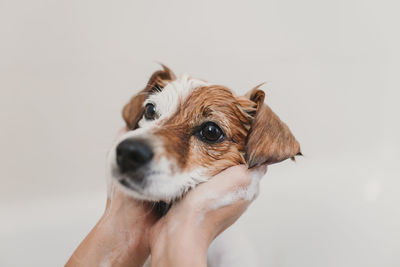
173	94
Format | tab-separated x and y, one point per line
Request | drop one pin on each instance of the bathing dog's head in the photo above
183	131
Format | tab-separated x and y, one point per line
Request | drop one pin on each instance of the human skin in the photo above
120	238
182	237
130	229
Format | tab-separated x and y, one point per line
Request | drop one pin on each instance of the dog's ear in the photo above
269	139
133	111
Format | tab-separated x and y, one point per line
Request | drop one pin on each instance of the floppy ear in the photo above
133	111
269	139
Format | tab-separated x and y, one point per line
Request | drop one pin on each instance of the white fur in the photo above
162	182
168	100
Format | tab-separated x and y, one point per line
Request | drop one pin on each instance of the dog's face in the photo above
184	131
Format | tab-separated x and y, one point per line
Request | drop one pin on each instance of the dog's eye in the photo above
210	132
150	111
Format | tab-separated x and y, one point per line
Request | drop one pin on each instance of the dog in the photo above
183	131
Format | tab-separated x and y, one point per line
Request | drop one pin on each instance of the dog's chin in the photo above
144	191
155	185
160	206
136	193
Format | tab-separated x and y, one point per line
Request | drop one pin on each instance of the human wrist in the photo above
128	230
179	253
182	242
127	222
109	245
123	240
120	238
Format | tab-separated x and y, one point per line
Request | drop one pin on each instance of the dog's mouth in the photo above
136	181
125	180
128	185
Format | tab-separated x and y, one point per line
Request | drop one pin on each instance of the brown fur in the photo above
254	134
212	103
269	140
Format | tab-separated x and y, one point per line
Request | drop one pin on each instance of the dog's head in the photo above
183	131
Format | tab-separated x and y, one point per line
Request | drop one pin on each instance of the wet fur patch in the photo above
253	133
208	103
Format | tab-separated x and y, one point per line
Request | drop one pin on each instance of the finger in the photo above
238	183
233	177
223	189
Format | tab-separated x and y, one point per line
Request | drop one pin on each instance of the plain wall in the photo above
332	73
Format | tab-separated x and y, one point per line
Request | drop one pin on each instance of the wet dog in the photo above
183	131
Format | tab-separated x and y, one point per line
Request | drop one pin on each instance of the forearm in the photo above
182	237
120	238
180	246
108	244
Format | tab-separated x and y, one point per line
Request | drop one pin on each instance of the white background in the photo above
332	73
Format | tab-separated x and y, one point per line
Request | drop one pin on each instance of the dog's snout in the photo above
132	154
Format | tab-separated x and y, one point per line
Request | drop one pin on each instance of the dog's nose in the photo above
132	154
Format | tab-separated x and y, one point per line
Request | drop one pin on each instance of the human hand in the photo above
182	237
120	238
129	227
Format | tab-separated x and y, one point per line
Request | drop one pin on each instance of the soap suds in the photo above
248	193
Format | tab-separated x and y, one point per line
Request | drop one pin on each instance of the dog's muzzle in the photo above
133	154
